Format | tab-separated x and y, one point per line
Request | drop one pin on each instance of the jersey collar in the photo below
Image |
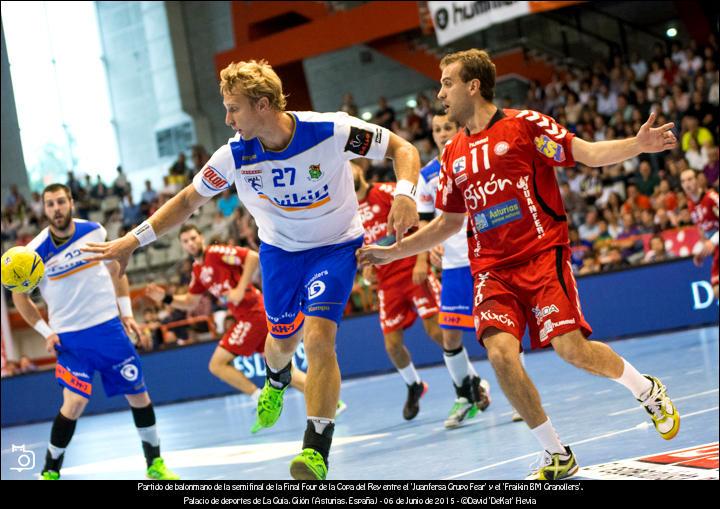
499	115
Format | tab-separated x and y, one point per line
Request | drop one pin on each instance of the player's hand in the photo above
702	250
420	271
236	295
51	342
369	274
436	255
120	249
403	216
155	292
656	139
377	255
132	328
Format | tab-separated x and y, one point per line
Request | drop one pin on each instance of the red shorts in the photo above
248	334
714	275
402	301
541	293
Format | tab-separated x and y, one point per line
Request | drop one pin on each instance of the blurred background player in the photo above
226	273
499	170
83	299
703	206
291	172
473	394
407	288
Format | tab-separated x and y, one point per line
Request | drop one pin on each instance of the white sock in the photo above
458	365
255	396
548	438
409	374
55	452
149	435
633	380
320	423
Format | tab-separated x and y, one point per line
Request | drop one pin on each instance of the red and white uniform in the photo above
220	271
401	301
705	214
503	177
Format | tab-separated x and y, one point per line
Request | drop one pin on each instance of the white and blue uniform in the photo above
83	312
457	283
304	203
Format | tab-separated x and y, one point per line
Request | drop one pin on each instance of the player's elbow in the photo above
451	223
584	152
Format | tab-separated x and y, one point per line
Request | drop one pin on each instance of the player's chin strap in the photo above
125	305
43	328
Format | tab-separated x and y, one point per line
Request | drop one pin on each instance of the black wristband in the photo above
168	299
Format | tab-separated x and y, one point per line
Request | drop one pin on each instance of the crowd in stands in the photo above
618	214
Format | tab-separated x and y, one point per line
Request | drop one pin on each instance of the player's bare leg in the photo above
144	417
433	330
62	432
502	350
221	366
298	379
322	391
401	359
557	461
599	359
278	361
472	393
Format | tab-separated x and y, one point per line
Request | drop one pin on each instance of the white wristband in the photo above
43	328
145	234
714	239
125	305
406	188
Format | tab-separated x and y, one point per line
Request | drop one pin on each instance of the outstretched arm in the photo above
406	160
175	212
648	140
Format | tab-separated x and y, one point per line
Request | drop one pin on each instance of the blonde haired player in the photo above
292	172
86	330
499	171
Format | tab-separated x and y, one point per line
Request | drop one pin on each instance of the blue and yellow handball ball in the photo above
22	269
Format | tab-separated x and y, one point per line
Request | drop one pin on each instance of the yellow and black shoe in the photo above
556	466
658	404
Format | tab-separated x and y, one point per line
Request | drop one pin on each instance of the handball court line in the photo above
643	425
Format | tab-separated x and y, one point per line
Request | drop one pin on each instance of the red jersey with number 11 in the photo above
503	178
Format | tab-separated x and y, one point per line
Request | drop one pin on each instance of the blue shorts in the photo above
105	348
314	282
457	299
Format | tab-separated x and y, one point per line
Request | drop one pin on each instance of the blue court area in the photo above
210	439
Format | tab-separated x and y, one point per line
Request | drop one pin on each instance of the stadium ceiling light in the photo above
367	115
671	32
411	103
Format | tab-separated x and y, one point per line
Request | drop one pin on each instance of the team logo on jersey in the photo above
212	178
314	172
541	313
316	289
501	148
359	141
458	165
549	148
129	372
255	181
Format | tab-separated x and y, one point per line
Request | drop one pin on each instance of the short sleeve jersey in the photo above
504	178
456	247
220	271
704	213
79	294
374	211
303	196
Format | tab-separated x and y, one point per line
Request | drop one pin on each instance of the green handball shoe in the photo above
309	465
270	405
160	472
50	475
